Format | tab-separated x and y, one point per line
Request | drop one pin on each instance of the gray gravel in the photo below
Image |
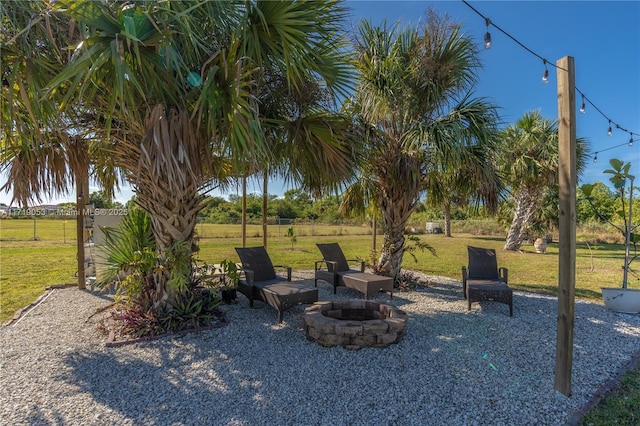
454	367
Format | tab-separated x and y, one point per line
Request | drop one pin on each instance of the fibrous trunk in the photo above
166	170
526	204
447	219
397	206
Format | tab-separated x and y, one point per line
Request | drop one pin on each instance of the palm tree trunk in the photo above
396	211
171	163
522	215
447	218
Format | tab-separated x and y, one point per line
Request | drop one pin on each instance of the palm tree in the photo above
414	105
172	92
529	164
476	180
43	152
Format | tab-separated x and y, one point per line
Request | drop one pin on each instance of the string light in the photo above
595	154
487	34
545	79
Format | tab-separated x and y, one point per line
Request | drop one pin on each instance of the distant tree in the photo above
100	200
602	206
529	164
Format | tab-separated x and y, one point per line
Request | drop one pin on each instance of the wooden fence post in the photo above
567	224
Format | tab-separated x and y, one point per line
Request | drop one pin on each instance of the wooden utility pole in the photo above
567	226
244	211
265	205
81	200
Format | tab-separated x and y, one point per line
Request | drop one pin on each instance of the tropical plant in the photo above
128	256
230	276
291	234
414	107
620	175
170	90
529	164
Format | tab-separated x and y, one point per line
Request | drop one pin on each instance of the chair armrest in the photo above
319	263
249	274
359	262
288	269
503	273
331	265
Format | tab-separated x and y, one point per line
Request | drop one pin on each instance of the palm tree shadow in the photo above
172	371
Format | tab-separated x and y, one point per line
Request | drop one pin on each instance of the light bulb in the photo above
487	35
545	76
631	141
582	106
595	158
609	129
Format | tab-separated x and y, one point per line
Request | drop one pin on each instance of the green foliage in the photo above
296	204
619	177
292	236
230	274
191	311
177	263
595	202
413	243
100	200
620	405
129	255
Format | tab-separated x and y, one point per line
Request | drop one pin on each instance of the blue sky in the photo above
602	36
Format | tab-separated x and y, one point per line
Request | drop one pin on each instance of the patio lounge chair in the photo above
483	280
335	269
261	283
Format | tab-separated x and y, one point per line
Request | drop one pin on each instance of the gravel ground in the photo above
453	367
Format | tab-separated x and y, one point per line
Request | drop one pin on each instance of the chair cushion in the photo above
332	252
483	263
257	260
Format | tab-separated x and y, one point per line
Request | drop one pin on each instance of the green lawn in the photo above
27	267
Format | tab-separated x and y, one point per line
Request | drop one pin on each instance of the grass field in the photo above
28	265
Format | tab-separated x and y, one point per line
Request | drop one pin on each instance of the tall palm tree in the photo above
529	164
171	90
413	100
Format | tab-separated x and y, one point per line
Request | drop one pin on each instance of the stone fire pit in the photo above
354	324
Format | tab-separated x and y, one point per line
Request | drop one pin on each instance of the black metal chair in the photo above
261	282
484	281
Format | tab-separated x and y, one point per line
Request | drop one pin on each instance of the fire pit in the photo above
354	324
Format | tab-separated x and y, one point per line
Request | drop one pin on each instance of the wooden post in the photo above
374	222
81	200
265	194
567	226
244	211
